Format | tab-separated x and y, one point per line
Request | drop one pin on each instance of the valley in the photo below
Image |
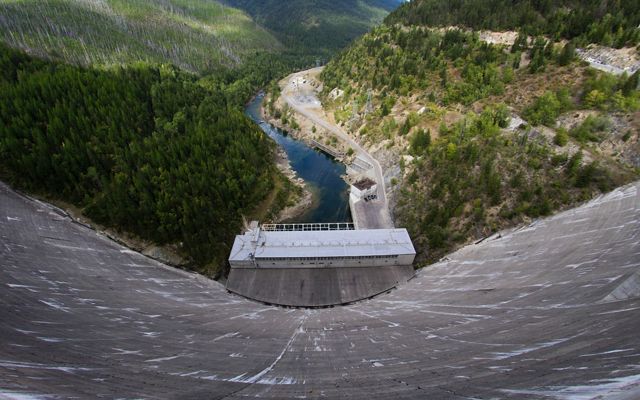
464	133
318	28
325	193
299	93
364	199
210	49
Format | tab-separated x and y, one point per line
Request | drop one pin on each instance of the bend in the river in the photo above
319	171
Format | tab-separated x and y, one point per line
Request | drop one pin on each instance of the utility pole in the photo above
369	107
354	114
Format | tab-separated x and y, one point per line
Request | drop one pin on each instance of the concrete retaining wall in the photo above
308	287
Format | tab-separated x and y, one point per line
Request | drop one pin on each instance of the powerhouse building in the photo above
318	264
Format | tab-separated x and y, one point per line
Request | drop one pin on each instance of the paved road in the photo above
302	98
548	311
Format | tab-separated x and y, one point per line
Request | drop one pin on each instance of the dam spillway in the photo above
550	310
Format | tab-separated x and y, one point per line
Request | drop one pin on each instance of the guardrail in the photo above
327	149
333	226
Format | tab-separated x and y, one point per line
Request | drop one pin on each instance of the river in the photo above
321	173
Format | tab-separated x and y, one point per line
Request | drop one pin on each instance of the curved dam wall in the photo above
316	287
548	311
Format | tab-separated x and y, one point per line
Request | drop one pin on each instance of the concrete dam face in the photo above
551	310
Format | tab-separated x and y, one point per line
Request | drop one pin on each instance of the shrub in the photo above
567	55
595	99
561	138
586	175
420	142
574	164
546	109
589	130
559	159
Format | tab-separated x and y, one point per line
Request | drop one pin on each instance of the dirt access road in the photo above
300	94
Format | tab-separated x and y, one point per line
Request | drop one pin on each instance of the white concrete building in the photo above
260	248
363	188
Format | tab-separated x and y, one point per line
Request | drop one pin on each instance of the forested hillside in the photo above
317	27
608	22
148	150
195	35
486	136
143	147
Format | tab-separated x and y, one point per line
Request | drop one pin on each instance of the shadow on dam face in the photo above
551	310
318	265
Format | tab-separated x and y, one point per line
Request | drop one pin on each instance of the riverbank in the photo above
306	131
302	201
388	159
299	110
323	193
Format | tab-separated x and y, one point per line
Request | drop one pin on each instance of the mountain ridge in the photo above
321	24
197	36
610	22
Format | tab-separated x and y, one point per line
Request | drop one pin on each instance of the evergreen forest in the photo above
608	22
149	150
200	36
317	28
197	36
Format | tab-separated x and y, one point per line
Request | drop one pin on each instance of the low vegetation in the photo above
474	180
442	102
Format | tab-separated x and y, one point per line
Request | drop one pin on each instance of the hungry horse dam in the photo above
550	310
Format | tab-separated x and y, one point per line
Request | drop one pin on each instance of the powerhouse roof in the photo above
343	243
